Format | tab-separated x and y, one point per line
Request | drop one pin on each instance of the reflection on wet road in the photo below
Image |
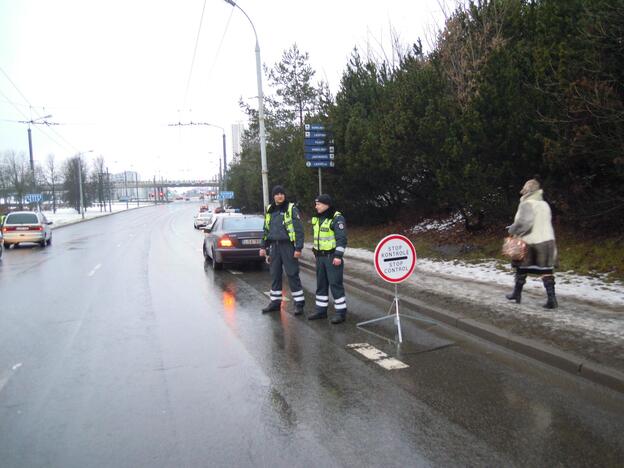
160	361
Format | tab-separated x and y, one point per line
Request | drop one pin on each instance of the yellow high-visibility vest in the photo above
324	236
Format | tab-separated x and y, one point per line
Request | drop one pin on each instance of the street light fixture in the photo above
265	171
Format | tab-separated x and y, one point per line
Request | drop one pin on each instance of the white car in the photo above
26	226
202	219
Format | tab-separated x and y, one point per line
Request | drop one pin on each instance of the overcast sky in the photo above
114	74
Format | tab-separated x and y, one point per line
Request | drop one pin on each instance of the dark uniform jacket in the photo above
277	230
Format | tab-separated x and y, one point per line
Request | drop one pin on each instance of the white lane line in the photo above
5	376
96	268
377	356
391	364
235	272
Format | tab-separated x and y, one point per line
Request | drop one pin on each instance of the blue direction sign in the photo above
318	149
318	146
318	156
314	127
33	197
320	163
318	141
317	135
226	195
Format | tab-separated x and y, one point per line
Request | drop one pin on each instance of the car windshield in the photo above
22	218
205	215
243	224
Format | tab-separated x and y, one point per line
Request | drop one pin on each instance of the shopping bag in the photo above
514	248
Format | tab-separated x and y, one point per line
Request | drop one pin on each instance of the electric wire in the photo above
188	81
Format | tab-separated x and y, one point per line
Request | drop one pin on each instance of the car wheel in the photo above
205	252
216	265
43	243
50	241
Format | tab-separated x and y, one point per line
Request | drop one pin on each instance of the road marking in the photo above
235	272
377	356
5	376
96	268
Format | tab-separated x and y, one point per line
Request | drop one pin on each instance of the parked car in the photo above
1	244
26	226
202	219
233	238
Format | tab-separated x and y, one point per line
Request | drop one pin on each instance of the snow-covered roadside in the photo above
64	216
568	284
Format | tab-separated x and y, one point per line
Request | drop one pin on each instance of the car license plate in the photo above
250	241
21	228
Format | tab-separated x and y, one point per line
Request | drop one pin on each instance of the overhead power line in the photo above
188	81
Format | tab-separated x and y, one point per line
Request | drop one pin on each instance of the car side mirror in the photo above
50	222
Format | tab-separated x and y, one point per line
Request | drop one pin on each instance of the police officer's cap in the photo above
278	189
324	199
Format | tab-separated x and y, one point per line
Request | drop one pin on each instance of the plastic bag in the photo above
514	248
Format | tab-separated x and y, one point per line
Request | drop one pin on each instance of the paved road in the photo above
119	347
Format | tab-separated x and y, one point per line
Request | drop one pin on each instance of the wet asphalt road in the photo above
119	347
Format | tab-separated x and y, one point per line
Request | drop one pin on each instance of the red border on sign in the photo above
381	244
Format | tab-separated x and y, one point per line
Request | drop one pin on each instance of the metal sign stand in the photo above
320	183
396	316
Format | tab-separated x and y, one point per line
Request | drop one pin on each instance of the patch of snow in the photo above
437	225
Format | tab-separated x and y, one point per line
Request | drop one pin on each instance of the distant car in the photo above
1	244
233	238
204	208
26	226
202	219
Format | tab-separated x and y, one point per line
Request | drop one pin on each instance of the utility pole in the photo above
30	122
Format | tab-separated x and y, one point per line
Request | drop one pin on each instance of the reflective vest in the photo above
324	236
288	224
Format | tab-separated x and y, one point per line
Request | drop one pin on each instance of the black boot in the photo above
549	284
299	309
272	307
319	314
339	317
516	295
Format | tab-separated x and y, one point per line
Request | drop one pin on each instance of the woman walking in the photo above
533	224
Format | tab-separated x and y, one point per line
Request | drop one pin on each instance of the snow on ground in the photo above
65	216
568	284
437	225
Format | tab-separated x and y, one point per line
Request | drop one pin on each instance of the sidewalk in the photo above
584	336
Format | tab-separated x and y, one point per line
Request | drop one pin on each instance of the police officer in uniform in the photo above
281	243
330	242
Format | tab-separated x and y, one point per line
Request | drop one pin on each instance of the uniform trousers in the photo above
281	254
329	276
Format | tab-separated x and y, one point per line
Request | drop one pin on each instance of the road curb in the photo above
533	349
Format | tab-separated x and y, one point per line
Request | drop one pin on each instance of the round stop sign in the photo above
395	258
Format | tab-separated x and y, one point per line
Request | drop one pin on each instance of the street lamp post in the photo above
263	159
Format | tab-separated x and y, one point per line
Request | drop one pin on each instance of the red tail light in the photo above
7	229
225	241
35	228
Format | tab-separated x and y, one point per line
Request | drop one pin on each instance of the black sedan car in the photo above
233	239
